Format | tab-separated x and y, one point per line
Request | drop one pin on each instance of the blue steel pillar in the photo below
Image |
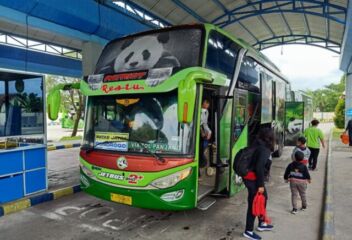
348	97
346	60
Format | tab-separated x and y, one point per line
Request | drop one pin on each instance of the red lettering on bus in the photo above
105	88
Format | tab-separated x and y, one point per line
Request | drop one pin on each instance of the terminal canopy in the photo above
262	23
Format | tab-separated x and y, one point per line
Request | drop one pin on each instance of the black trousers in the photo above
350	136
252	191
313	158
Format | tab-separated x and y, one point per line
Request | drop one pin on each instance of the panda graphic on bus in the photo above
144	53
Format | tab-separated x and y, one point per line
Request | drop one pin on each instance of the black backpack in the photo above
243	160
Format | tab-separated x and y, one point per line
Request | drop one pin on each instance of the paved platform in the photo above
81	216
56	132
342	189
63	168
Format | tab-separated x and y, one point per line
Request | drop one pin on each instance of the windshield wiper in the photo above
139	142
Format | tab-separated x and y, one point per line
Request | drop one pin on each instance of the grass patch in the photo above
71	138
337	132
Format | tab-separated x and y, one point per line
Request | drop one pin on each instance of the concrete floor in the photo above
342	190
81	216
55	133
63	168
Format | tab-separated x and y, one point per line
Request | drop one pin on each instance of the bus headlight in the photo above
173	196
171	180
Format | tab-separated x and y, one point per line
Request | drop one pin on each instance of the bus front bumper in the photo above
159	199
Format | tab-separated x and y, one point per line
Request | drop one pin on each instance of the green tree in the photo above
339	118
325	99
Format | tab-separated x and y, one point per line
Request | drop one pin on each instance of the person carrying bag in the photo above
256	160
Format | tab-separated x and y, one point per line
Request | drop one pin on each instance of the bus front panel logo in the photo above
122	163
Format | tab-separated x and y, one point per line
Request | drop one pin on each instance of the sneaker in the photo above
265	227
251	235
294	211
304	208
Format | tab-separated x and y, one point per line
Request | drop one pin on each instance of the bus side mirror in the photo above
54	98
187	92
53	103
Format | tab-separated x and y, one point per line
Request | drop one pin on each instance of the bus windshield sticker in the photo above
114	141
95	81
125	76
158	75
155	147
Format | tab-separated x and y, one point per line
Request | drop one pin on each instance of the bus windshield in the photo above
137	123
176	49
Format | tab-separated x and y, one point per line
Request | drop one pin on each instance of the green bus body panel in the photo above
224	148
240	143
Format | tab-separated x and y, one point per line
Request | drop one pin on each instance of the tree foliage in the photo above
339	118
325	99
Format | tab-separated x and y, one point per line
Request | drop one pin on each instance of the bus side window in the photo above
221	54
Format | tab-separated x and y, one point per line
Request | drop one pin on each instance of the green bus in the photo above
142	132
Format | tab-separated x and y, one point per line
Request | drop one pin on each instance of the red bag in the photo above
258	208
344	138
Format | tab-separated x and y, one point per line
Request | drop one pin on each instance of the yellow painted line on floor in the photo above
68	145
328	237
51	148
16	206
63	192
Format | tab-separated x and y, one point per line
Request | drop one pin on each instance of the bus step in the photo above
206	203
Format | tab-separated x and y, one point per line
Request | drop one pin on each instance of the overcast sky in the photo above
306	67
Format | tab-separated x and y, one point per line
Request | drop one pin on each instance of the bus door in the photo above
239	136
294	122
207	147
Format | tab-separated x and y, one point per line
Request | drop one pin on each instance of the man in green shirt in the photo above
314	137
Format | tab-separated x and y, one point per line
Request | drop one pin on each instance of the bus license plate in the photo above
121	198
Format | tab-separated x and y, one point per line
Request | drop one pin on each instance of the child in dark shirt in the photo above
297	174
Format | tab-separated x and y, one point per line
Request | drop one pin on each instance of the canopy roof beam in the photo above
298	39
327	21
225	10
261	18
305	20
284	20
131	9
260	7
189	10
